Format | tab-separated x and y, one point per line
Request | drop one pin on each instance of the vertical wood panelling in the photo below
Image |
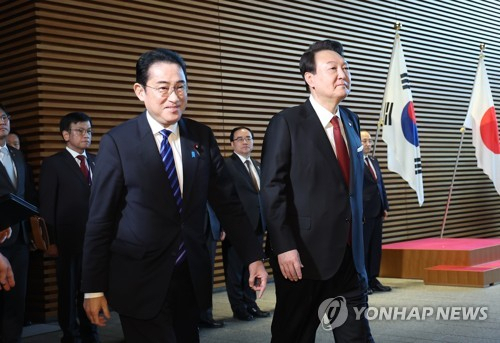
242	55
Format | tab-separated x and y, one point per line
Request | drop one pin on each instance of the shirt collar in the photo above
323	114
74	153
242	158
156	127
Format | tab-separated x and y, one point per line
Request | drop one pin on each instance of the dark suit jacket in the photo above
64	200
374	196
134	227
24	189
308	206
249	196
213	225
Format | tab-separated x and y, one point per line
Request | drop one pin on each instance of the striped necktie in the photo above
167	157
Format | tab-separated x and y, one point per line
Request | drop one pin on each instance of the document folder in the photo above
14	209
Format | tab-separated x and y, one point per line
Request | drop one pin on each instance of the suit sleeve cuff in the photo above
94	295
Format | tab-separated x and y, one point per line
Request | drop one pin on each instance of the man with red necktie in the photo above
65	180
311	188
375	211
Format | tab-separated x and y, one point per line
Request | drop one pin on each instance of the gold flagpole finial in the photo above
482	46
397	26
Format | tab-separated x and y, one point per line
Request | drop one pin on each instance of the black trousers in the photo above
296	317
177	320
372	235
207	314
71	316
12	303
236	274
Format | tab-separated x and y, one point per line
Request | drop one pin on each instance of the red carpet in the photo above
445	244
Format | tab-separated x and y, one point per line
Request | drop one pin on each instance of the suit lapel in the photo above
19	165
353	143
5	176
191	155
147	150
317	133
72	165
242	168
3	171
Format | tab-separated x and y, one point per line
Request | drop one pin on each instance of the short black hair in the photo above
151	57
307	62
73	118
231	135
3	109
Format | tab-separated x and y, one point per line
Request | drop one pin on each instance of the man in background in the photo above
65	180
14	141
375	211
14	179
245	172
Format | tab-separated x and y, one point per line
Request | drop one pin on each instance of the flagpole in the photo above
380	123
462	130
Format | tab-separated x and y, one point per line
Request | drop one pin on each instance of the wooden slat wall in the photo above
61	56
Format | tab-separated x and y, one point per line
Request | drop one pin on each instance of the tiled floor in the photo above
409	301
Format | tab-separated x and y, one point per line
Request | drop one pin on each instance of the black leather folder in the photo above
14	209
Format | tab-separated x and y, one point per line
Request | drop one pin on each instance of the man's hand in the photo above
52	251
6	274
258	277
385	215
97	310
290	265
5	234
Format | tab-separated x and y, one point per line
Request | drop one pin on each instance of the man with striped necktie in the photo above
145	246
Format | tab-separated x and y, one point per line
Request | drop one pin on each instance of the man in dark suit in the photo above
65	180
14	179
375	211
145	245
214	234
245	172
312	174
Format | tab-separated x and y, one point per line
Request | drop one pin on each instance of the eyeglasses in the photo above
82	132
241	139
5	118
180	90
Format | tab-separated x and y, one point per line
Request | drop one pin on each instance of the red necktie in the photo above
341	149
343	158
83	167
370	167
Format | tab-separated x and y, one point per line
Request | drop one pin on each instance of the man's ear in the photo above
65	135
309	78
139	91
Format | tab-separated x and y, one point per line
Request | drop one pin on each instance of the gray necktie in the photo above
252	176
8	164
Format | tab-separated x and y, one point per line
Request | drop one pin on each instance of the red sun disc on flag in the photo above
489	131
